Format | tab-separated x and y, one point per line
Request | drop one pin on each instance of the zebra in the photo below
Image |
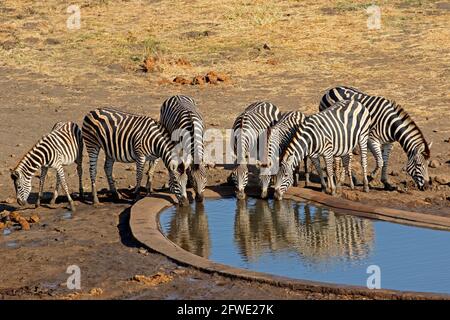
247	129
61	147
182	119
390	123
127	137
278	138
331	133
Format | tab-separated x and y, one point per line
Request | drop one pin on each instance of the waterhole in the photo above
305	241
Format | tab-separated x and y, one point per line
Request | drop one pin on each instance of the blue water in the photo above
304	241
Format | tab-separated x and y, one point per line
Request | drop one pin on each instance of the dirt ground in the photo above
284	52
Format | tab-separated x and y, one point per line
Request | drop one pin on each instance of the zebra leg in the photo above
329	162
93	157
55	193
296	174
80	173
316	162
62	179
150	172
363	150
109	164
375	148
347	160
306	166
387	148
41	185
140	163
338	171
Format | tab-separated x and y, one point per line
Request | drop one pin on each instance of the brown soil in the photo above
50	75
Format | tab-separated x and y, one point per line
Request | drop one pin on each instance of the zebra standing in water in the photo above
127	137
278	138
390	123
332	133
61	147
247	129
181	117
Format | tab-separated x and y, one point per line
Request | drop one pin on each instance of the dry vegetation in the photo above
321	39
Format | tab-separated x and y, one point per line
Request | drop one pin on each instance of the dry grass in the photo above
309	41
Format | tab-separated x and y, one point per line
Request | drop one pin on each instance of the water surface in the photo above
305	241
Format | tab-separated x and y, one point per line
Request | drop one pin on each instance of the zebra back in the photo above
61	146
180	113
125	136
390	122
247	127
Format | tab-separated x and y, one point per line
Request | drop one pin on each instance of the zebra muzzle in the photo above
21	202
183	202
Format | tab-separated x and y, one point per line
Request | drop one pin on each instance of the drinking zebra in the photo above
181	117
331	133
61	147
278	138
127	137
390	123
247	130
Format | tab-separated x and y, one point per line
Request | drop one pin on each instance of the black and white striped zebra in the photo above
181	117
61	147
247	130
332	133
390	123
278	138
127	137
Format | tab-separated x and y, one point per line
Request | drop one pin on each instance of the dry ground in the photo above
287	52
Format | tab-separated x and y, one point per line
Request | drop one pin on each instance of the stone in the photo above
24	223
14	216
9	200
154	280
181	80
96	292
34	218
442	179
434	163
2	226
198	80
211	77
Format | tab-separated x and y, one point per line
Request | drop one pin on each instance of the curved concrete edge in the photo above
370	211
144	224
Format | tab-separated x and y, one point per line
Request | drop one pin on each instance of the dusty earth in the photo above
44	79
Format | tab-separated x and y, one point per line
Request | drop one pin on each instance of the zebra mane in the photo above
401	112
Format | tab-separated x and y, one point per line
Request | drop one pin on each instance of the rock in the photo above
153	280
434	163
211	77
266	46
198	80
34	218
143	251
442	179
447	140
164	81
150	64
14	216
181	80
24	223
96	292
2	226
182	62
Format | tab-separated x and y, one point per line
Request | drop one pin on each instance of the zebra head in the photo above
177	181
285	176
239	176
199	175
417	166
22	185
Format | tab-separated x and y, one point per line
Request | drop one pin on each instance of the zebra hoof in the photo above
37	205
389	187
366	188
72	207
199	197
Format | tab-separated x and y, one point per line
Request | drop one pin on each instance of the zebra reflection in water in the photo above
316	234
189	229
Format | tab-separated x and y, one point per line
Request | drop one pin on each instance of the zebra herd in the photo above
347	118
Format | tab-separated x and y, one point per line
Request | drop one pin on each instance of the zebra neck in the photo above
28	166
407	134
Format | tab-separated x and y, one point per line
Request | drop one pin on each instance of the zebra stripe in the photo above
390	123
181	117
247	129
278	138
331	133
127	137
61	147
